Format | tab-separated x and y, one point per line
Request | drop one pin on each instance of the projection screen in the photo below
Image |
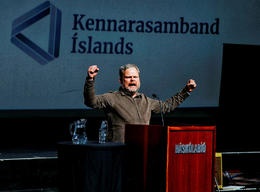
47	46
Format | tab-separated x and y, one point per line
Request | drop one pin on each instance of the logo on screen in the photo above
31	48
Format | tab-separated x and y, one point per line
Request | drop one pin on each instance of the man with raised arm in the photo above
127	105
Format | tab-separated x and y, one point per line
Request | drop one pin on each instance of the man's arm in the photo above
89	93
90	98
173	102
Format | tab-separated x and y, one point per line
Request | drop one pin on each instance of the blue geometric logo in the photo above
31	17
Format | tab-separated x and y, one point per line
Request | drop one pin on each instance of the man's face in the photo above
131	80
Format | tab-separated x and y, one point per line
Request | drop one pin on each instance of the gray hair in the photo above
123	68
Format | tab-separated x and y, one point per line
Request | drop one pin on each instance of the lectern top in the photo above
192	128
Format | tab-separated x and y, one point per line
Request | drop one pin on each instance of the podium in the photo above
170	159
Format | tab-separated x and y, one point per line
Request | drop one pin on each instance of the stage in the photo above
36	169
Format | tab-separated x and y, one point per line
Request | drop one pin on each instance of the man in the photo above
127	105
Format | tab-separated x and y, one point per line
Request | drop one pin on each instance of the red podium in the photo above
171	159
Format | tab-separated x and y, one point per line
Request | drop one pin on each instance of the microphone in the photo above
160	102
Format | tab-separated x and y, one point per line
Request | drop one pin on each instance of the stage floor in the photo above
27	154
17	172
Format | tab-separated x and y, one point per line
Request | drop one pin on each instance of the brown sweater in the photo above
122	109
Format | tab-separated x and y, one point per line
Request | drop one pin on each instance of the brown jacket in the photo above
122	109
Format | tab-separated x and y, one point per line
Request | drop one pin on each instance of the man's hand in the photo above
93	71
191	85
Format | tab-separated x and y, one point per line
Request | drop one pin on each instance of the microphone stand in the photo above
160	102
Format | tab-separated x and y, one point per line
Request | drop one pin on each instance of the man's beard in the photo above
129	91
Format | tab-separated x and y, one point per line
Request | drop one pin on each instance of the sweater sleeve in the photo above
91	99
171	103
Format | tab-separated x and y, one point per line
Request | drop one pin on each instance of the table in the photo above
237	188
91	167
